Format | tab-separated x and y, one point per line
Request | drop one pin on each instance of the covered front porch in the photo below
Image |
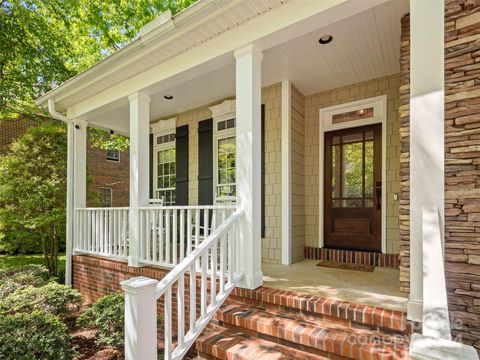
244	161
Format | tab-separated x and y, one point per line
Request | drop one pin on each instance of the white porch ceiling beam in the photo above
289	21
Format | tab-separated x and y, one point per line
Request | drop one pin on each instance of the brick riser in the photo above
251	323
374	317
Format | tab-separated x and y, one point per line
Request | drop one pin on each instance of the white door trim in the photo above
379	104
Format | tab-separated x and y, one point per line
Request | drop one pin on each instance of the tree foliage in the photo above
32	188
45	42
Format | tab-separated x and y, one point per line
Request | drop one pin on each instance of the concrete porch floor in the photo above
378	288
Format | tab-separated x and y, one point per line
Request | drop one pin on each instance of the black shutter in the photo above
205	162
181	167
151	166
262	159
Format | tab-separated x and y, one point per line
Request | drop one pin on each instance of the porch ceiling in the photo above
364	46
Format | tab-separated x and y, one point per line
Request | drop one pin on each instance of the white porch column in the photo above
426	132
70	203
248	90
140	318
80	164
139	168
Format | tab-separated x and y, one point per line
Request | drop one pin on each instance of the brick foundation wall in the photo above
462	166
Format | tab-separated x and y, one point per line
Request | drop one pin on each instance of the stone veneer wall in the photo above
462	166
271	98
298	170
404	116
382	86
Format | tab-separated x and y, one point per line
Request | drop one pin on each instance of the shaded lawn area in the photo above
11	261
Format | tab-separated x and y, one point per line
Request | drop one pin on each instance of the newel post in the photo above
140	318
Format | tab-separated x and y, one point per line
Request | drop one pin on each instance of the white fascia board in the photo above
268	30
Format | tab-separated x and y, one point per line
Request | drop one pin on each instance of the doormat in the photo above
345	266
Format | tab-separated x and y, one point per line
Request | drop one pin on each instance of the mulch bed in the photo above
83	341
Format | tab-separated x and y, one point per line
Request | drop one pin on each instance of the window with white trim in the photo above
113	155
224	152
165	168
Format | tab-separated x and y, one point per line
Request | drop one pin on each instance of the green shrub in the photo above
34	336
52	298
19	278
107	317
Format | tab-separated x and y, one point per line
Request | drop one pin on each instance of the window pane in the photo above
369	168
352	170
336	169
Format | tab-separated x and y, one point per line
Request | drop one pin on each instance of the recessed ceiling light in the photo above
325	39
168	97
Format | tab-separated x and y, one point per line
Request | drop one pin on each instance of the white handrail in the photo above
221	267
216	264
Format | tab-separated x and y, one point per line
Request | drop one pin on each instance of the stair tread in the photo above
359	313
323	335
227	344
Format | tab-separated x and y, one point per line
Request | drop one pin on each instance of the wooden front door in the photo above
353	188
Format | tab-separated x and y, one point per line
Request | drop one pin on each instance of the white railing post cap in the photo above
138	285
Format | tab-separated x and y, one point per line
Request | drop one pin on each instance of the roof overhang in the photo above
176	50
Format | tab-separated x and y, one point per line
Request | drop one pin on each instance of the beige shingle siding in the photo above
298	171
272	98
382	86
272	243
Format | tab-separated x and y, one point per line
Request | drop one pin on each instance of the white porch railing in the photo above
216	260
102	231
169	233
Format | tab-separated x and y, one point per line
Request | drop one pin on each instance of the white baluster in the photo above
193	297
155	234
189	231
197	227
180	311
213	279
174	241
167	236
168	324
160	234
223	248
182	234
203	294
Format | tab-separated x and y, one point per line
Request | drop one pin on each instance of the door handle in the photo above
378	194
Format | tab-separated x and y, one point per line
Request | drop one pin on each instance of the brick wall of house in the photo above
11	130
404	131
109	174
388	86
462	166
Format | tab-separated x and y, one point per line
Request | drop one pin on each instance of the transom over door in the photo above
353	188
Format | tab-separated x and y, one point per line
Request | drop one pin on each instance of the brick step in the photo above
375	317
229	345
316	336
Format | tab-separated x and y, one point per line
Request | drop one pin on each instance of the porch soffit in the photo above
214	35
